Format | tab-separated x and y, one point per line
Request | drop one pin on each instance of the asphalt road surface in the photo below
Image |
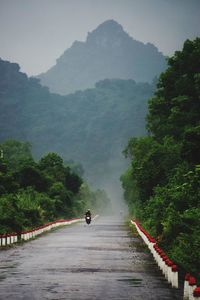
101	261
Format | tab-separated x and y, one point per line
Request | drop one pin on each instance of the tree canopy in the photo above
162	185
32	193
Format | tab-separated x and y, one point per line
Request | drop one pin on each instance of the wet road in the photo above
101	261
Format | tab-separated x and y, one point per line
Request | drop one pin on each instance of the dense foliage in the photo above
90	127
34	193
162	184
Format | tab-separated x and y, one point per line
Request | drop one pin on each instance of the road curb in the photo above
167	266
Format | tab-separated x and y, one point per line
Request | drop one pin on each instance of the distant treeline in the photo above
33	193
162	184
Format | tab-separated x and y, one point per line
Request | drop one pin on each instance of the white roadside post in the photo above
192	286
12	238
186	286
3	241
174	276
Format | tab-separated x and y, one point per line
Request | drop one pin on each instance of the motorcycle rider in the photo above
88	216
88	213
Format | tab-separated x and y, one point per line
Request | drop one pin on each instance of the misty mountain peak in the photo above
107	28
109	52
106	33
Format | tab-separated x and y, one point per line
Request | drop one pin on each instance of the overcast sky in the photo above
34	33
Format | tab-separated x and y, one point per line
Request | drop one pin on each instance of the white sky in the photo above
34	33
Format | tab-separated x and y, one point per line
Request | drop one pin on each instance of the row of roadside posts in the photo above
12	238
168	267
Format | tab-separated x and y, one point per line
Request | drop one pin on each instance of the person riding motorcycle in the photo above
88	217
88	213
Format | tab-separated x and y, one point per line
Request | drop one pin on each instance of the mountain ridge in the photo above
90	127
108	53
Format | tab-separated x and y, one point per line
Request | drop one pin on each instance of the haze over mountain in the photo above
109	52
90	127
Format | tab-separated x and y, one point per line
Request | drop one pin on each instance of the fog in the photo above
114	191
110	182
35	33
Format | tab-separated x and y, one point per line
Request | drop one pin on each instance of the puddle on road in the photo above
132	281
7	267
2	277
111	228
85	270
103	248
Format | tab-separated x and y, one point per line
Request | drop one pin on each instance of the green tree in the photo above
151	162
162	184
72	181
176	104
30	175
16	154
52	165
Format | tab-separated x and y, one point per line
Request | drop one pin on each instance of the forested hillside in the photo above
162	184
108	52
89	127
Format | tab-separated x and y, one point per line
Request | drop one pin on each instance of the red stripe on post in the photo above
174	268
192	281
187	276
196	292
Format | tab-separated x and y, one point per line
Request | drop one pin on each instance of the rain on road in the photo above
99	261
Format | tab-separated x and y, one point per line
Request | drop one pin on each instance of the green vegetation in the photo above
88	126
162	184
33	193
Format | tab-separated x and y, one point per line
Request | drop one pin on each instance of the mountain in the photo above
90	127
108	53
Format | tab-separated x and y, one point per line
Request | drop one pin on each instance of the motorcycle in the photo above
88	219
